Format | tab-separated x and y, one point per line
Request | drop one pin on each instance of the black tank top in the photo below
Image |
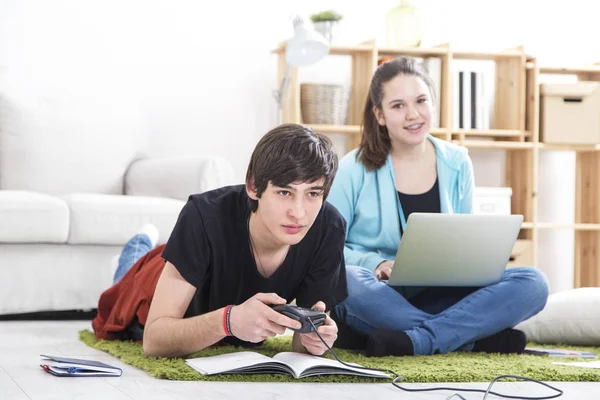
428	202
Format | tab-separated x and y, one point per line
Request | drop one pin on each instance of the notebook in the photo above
558	353
61	366
297	365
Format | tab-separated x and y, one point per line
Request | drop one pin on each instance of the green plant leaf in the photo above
328	15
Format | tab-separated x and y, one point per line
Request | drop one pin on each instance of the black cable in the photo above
489	391
397	377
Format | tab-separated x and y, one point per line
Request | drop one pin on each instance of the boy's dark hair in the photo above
291	153
375	144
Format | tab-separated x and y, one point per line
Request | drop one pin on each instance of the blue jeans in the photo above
442	319
134	249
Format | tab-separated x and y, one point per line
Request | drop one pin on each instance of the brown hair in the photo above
290	153
375	144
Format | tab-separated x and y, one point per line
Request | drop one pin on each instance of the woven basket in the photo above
324	104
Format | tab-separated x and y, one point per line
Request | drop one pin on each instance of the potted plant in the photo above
326	23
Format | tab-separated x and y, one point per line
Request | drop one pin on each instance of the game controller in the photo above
304	315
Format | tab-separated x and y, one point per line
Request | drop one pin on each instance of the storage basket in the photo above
324	104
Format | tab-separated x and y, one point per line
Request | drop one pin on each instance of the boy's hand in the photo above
254	321
328	331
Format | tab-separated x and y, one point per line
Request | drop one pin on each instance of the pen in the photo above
69	370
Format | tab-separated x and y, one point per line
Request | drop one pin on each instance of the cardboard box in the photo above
570	113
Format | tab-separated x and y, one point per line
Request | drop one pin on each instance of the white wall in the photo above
204	73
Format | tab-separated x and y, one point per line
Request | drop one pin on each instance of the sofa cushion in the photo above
112	220
30	217
177	177
60	145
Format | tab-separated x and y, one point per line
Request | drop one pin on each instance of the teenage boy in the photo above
236	250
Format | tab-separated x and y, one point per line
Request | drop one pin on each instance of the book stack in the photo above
473	91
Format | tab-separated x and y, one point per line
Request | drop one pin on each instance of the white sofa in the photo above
74	186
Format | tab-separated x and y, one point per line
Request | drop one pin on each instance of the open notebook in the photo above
295	364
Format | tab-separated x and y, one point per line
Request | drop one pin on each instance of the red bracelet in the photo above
226	326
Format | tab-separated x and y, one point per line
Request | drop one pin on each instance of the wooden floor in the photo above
22	342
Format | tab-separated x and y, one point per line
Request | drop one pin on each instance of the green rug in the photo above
453	367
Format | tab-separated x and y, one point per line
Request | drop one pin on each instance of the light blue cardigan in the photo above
369	202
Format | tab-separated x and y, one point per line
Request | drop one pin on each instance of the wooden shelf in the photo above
347	129
355	129
493	145
553	225
350	50
492	132
414	52
587	227
336	50
570	70
568	147
516	111
577	227
468	55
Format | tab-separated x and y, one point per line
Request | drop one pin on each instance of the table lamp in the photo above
304	48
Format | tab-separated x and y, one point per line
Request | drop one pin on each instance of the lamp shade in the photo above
306	46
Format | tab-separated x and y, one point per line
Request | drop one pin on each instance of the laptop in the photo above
454	249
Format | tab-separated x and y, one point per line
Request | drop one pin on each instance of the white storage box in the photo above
492	200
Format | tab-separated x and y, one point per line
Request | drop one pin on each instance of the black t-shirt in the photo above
428	202
210	248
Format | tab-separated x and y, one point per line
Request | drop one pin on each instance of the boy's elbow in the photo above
149	350
155	351
149	346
